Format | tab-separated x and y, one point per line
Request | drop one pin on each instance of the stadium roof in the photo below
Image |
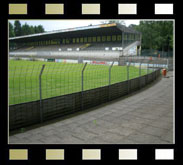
104	29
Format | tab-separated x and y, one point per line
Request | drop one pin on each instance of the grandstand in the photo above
98	42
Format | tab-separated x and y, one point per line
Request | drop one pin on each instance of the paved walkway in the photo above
143	118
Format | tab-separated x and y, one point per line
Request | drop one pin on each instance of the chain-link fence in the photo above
47	90
42	80
157	53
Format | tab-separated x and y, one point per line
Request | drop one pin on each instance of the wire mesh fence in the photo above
43	80
157	53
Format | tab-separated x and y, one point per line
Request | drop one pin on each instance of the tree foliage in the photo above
156	34
20	30
17	28
39	29
11	30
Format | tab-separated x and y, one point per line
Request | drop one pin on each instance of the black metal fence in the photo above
32	112
44	80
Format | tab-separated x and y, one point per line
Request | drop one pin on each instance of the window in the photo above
73	40
113	37
103	38
55	42
125	37
108	38
98	39
67	41
119	37
133	36
130	36
81	40
136	36
94	39
63	41
77	40
89	39
85	39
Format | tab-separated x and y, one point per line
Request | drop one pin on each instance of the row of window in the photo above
93	39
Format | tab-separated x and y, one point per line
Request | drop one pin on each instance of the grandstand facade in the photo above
98	42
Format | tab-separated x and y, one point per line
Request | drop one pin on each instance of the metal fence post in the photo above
128	71
167	63
128	77
82	84
110	72
110	80
140	69
140	75
82	76
147	67
154	69
40	93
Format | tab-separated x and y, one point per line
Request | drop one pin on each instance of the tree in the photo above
17	28
156	34
31	30
40	29
11	30
25	29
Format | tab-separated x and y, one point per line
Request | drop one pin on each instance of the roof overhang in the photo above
102	29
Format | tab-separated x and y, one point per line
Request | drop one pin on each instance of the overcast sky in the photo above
50	25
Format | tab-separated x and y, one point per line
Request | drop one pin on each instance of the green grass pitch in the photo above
60	78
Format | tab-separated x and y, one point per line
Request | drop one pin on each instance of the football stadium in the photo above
60	72
99	42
